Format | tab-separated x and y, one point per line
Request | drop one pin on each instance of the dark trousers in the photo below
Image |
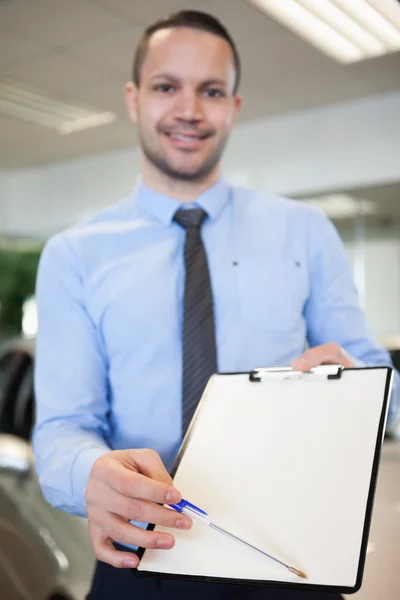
121	584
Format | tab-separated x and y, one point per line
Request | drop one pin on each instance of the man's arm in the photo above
77	470
70	381
333	312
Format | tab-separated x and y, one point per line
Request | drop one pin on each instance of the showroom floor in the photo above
382	571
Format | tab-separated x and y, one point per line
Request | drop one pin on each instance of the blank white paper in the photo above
286	465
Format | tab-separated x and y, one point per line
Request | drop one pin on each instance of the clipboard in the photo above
288	461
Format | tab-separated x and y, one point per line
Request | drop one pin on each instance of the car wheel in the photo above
17	398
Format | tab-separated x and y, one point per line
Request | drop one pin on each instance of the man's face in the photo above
185	107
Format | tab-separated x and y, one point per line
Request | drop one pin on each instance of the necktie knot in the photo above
190	218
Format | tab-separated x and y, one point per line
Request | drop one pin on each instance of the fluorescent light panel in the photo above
86	122
346	30
372	20
30	104
342	206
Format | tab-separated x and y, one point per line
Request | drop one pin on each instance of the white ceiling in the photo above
81	51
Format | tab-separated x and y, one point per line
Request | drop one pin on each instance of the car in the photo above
45	554
16	387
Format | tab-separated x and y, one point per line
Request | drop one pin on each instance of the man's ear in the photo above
131	100
238	105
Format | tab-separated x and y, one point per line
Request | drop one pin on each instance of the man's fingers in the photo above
330	353
134	509
135	485
105	551
149	463
122	532
125	486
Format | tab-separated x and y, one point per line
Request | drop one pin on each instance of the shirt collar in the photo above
163	207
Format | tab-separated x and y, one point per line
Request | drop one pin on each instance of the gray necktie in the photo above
199	348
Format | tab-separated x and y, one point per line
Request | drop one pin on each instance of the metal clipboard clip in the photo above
288	373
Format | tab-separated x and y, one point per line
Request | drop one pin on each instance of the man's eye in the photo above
164	87
213	93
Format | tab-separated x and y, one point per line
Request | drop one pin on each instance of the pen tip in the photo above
299	573
303	575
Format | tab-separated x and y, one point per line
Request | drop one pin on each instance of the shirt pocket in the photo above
272	294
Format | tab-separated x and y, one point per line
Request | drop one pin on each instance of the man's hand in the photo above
130	485
326	354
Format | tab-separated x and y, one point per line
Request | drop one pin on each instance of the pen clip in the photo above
185	504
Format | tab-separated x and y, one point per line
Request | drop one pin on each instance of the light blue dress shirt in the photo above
110	297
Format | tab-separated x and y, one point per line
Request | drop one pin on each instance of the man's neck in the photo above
180	190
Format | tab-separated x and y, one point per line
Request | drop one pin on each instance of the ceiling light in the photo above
373	21
30	104
348	31
86	122
331	14
342	206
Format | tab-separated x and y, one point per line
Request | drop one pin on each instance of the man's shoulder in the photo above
106	220
90	235
113	214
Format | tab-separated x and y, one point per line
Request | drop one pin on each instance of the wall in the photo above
5	198
335	147
45	200
381	283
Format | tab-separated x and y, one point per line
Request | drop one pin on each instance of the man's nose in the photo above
189	107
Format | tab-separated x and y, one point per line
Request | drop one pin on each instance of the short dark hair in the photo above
184	18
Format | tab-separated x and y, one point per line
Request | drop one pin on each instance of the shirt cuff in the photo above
80	474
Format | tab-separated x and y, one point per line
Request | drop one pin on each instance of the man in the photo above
139	305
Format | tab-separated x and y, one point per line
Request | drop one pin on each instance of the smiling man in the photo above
141	304
184	101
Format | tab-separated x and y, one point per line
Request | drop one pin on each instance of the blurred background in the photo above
320	123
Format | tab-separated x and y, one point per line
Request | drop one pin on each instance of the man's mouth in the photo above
189	142
185	137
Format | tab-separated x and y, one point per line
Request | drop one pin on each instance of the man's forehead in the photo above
170	37
177	49
181	42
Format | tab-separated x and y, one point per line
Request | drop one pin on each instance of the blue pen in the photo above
187	508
